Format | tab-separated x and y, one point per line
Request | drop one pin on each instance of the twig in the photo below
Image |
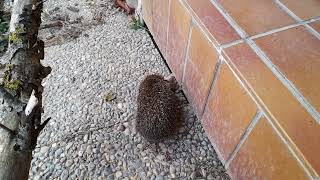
50	25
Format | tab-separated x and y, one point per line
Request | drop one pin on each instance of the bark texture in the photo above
21	74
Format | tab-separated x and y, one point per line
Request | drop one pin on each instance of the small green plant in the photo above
109	96
7	82
136	24
15	37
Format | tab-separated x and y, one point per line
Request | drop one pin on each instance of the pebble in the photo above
161	157
44	149
172	169
118	174
73	9
69	163
159	177
65	175
127	132
121	128
139	146
58	153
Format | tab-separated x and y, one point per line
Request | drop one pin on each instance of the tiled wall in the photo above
251	69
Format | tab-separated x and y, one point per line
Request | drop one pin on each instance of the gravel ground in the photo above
92	138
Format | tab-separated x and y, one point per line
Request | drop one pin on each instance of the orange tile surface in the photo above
265	156
278	101
256	17
316	25
296	53
200	67
305	9
178	38
229	112
160	16
216	24
147	13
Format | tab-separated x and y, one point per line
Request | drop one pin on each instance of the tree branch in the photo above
21	90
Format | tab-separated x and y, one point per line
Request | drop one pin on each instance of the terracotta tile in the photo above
178	38
229	112
305	9
256	17
160	16
296	53
147	13
265	156
316	25
217	25
278	101
200	67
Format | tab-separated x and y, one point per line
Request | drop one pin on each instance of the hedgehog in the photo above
158	111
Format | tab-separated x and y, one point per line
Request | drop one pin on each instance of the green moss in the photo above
136	24
10	67
7	83
15	37
13	85
110	96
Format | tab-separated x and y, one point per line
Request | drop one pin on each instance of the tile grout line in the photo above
292	152
284	28
245	136
275	31
297	18
186	57
227	45
292	89
212	83
169	14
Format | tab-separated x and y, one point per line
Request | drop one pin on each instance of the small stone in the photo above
80	153
210	177
143	175
58	153
118	174
204	143
65	174
161	157
127	146
73	9
193	175
127	132
172	169
203	172
110	177
69	163
126	124
159	177
139	146
85	138
89	150
44	149
120	128
69	145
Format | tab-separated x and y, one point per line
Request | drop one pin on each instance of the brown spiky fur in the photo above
158	108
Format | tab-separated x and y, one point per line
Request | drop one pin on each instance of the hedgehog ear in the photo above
174	85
